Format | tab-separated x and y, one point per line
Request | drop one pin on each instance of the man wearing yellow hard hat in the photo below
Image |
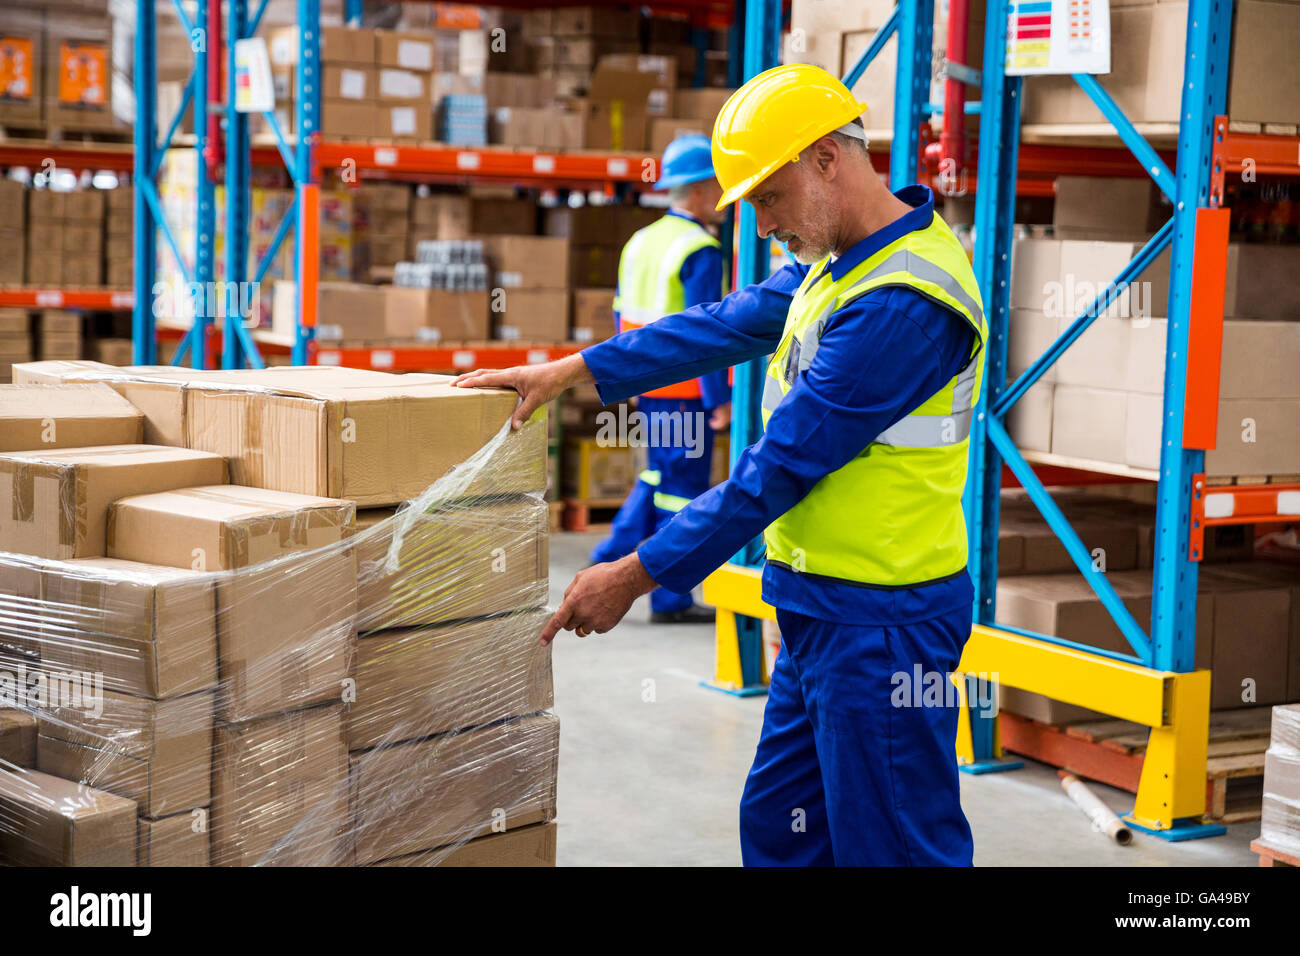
875	340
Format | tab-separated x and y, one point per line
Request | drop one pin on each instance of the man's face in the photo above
711	193
796	206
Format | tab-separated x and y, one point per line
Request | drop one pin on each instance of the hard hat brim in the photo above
683	179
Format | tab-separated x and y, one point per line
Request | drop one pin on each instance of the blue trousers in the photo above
649	506
850	770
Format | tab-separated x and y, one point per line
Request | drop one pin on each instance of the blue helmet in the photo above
688	159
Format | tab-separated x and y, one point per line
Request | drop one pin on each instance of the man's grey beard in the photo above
808	255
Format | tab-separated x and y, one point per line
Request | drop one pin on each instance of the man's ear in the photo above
825	154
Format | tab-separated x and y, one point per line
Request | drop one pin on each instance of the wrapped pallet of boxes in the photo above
239	675
1279	827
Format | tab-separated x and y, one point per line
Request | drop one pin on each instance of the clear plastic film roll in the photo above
284	679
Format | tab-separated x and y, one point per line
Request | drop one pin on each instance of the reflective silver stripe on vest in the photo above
937	431
772	394
907	261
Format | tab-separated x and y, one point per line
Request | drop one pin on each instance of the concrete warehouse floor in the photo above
652	765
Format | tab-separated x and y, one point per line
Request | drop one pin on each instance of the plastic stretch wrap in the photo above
272	677
1280	819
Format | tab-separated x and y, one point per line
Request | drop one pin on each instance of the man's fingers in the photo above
524	411
555	625
485	378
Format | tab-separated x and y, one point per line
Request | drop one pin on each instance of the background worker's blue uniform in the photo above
672	476
840	775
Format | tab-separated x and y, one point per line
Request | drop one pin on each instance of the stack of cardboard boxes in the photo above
119	237
65	238
1102	400
57	68
216	591
15	341
13	233
1280	821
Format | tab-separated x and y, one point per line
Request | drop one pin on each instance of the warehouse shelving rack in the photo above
1156	686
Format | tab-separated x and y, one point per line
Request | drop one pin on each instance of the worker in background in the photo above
875	339
667	267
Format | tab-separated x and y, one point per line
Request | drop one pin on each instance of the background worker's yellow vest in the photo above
650	280
892	516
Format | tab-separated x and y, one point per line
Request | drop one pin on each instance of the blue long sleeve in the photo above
878	359
745	325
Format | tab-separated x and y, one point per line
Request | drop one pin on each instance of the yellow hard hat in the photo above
771	119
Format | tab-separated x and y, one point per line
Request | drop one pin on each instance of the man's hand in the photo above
599	597
536	384
720	420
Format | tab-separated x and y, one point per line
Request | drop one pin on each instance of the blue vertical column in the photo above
206	224
995	204
306	125
144	345
1173	617
911	88
238	174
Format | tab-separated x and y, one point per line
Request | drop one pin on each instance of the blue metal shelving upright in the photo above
1162	804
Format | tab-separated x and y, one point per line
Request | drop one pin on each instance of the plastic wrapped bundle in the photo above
246	675
1280	818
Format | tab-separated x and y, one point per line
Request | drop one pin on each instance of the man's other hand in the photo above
720	419
599	597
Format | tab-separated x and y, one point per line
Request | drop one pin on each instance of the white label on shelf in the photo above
425	334
49	298
328	358
508	332
462	358
381	358
385	156
352	84
329	333
616	167
403	120
1288	502
1219	505
122	300
415	54
536	356
467	160
543	164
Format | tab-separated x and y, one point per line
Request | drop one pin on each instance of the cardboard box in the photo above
1089	423
1029	422
585	225
431	793
876	86
665	129
279	790
1261	281
22	66
344	310
502	217
416	683
1035	265
407	121
1279	577
337	45
66	416
496	552
17	737
407	51
1114	541
1031	334
55	822
1104	207
593	315
1087	267
1252	623
1263	68
60	498
594	265
701	104
528	846
348	119
378	464
593	21
1256	437
343	82
223	527
436	315
528	262
78	77
155	753
149	630
592	470
180	840
532	315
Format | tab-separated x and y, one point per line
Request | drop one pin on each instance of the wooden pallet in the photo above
1272	856
1225	480
1112	751
591	514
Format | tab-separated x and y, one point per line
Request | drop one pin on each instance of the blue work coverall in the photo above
677	473
841	775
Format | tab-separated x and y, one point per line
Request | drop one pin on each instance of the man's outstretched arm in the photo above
744	325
